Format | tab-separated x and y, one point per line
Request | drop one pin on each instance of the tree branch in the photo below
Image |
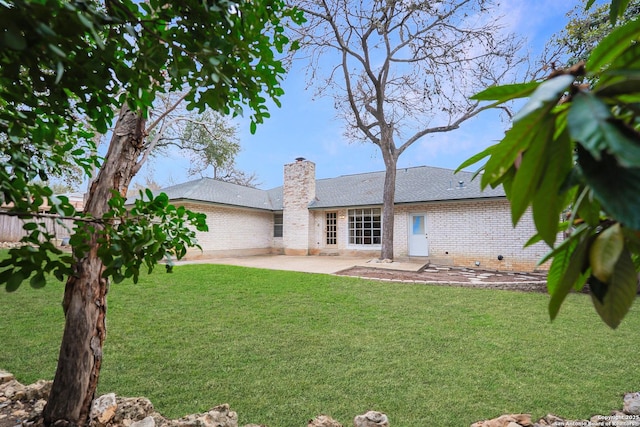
31	215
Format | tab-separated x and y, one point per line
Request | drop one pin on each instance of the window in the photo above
365	226
277	225
332	228
418	224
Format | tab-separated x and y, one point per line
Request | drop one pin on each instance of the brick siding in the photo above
463	233
459	233
233	231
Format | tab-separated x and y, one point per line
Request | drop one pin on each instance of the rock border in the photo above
22	405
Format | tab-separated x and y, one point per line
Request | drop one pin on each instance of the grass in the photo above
283	347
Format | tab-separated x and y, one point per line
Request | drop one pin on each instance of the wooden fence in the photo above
11	227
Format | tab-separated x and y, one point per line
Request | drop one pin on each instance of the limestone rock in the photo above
145	422
220	416
323	421
38	390
20	413
549	420
509	420
12	390
132	409
36	410
524	420
5	376
631	403
371	419
103	409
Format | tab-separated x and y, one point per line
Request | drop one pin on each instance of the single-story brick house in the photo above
439	215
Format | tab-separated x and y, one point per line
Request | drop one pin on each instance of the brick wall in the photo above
318	243
233	231
459	233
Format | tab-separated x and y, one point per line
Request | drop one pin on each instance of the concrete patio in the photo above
309	264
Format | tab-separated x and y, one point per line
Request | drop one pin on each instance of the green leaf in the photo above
591	123
476	158
85	21
506	92
597	288
613	45
627	62
621	292
616	188
59	71
587	122
30	226
504	154
617	9
532	167
624	67
38	281
619	83
5	275
533	240
13	39
605	251
567	271
55	49
589	210
550	199
546	95
576	234
15	280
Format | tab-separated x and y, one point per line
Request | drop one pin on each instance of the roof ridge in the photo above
397	169
192	188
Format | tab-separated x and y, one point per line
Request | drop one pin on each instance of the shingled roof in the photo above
413	185
210	190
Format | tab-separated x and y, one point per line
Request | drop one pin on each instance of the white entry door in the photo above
418	241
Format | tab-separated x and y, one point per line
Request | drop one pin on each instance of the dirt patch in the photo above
456	276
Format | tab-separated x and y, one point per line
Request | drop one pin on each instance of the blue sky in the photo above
307	127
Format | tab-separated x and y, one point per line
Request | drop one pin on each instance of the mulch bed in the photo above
456	276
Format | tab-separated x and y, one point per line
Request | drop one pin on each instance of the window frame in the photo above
331	228
278	226
364	227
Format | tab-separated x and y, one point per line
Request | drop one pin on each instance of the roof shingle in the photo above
413	185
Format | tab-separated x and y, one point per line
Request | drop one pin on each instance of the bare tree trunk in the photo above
85	304
389	195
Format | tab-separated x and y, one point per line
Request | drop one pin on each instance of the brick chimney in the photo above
299	190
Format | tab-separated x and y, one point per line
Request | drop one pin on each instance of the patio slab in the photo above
308	264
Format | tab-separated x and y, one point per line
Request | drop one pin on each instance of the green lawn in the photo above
282	347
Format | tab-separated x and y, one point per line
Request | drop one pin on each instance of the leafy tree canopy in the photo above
574	152
585	29
66	67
